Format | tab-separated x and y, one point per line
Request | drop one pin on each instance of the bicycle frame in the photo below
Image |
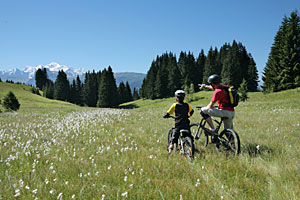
202	127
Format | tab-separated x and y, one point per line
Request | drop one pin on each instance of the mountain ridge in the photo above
27	75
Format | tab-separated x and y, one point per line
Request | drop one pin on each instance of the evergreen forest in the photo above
231	61
98	89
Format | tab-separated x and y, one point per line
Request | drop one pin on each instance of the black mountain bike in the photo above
228	140
185	143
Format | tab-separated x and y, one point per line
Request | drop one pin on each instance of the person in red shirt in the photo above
219	97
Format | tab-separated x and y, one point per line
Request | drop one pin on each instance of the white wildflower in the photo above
124	194
257	147
59	196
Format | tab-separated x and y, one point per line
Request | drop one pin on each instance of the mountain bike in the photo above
228	140
185	143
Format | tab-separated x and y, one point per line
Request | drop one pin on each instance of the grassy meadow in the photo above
55	150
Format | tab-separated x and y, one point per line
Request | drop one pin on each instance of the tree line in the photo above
99	89
282	70
167	74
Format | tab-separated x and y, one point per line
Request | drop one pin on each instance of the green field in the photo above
55	150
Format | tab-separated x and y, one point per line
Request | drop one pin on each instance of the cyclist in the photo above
182	113
220	97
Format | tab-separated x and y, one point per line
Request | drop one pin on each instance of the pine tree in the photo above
72	94
211	64
41	78
79	99
10	102
174	75
161	81
122	93
147	89
252	76
199	68
61	86
135	94
104	93
90	90
48	91
282	70
128	92
243	91
108	92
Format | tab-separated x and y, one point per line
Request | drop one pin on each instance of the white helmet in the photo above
180	94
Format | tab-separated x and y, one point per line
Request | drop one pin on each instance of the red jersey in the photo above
221	98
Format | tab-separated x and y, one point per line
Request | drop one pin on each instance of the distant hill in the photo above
27	75
134	79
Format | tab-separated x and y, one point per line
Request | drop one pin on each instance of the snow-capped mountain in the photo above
27	75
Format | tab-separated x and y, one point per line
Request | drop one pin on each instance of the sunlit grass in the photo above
68	152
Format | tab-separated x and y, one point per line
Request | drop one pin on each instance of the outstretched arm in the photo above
203	86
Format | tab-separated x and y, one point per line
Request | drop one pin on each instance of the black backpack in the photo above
233	96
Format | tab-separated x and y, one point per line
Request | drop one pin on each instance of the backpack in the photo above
233	96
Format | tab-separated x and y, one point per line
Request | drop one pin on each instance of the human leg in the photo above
174	139
206	116
228	115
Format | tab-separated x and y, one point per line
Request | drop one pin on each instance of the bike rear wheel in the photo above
196	132
230	141
188	148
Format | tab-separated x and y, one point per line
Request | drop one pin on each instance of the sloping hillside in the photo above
30	101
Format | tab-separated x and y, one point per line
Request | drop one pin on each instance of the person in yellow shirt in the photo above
182	113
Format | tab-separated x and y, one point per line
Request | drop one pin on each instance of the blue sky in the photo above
128	35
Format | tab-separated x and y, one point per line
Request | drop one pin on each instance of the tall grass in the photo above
90	153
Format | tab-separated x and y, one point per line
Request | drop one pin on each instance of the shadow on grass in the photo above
129	106
254	149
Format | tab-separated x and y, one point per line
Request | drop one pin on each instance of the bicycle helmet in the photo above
214	79
180	94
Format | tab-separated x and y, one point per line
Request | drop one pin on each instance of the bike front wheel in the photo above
188	148
196	132
170	134
230	140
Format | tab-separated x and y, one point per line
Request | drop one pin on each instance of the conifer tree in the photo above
61	86
128	92
174	75
161	81
122	93
90	90
282	70
79	100
211	64
252	76
243	91
149	81
48	91
108	92
41	78
135	94
72	95
10	102
104	93
199	68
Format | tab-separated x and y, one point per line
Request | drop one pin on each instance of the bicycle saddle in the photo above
184	131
